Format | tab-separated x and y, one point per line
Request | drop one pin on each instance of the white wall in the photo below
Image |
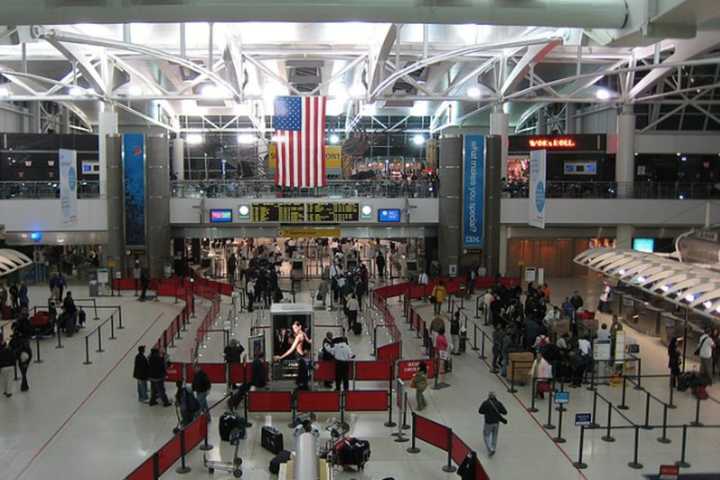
12	122
514	211
46	216
184	211
673	142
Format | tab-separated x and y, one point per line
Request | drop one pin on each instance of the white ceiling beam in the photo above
81	61
535	54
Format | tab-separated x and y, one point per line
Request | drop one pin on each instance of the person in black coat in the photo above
144	283
258	371
201	385
141	373
7	361
20	345
156	374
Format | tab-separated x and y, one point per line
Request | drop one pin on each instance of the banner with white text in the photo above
536	203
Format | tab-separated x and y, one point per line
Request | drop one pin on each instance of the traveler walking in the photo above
705	352
438	296
343	355
141	372
674	360
493	412
419	382
201	385
7	362
20	345
156	374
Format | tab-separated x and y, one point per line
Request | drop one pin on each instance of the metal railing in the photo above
335	188
637	190
44	189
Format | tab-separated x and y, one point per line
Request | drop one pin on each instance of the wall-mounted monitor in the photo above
645	245
389	215
221	215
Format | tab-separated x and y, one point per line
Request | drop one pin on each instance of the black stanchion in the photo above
477	308
112	327
87	351
512	389
591	387
647	426
683	463
549	425
697	422
183	468
532	408
594	423
120	324
671	395
99	337
248	424
206	446
664	438
390	422
580	465
475	329
608	437
449	468
413	448
482	347
559	438
635	464
623	405
37	349
59	339
639	374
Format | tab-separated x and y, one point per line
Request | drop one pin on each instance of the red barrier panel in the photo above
324	371
480	473
366	401
169	454
407	368
238	373
459	449
195	432
215	371
318	401
432	432
174	372
143	472
373	370
269	402
390	352
123	284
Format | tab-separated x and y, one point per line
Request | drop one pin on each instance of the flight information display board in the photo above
278	212
333	212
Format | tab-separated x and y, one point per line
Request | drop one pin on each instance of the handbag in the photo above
697	350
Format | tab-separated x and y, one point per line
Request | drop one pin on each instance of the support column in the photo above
541	125
115	251
499	126
65	120
493	191
158	204
35	117
502	255
107	125
570	120
450	173
625	158
179	158
623	236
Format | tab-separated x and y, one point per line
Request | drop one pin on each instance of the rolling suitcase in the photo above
357	328
279	459
352	452
229	421
271	439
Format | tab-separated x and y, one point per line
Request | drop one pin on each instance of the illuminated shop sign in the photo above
551	142
558	143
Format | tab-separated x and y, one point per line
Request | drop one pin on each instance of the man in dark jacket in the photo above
20	345
493	412
201	386
144	283
141	373
258	371
7	361
156	374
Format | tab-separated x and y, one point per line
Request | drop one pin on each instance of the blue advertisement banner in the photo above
134	184
474	192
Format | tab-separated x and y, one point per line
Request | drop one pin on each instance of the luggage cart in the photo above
234	467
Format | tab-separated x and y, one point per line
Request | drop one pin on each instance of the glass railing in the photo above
638	190
43	190
335	188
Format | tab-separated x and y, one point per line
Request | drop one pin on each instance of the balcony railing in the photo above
45	189
335	188
637	190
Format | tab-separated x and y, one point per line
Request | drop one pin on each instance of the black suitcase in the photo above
229	421
357	328
279	459
271	439
355	453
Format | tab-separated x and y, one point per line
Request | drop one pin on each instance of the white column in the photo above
499	126
570	120
179	158
541	125
107	125
623	236
502	255
625	158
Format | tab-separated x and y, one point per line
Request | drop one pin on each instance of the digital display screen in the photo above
278	212
333	212
389	215
223	215
645	245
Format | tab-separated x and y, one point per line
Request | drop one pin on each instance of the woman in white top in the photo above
543	375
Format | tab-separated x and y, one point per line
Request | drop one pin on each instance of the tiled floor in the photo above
84	422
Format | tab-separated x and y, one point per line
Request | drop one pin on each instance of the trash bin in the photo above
94	290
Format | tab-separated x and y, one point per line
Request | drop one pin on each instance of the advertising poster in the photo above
536	203
134	185
68	186
474	191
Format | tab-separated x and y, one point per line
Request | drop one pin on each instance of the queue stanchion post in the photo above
413	447
477	308
593	423
532	408
608	435
559	438
623	405
664	438
697	422
683	463
405	425
671	395
475	345
390	423
120	324
580	465
112	328
183	468
449	468
206	446
99	337
639	374
87	351
512	388
591	387
635	464
549	425
59	338
482	346
561	406
37	350
248	424
646	425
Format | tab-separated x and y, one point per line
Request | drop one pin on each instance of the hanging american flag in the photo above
299	124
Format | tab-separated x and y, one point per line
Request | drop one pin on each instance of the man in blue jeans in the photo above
141	373
493	411
201	386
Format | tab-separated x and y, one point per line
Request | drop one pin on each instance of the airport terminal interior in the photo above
386	240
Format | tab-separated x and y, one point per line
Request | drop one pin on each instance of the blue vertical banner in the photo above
474	192
68	186
536	200
134	188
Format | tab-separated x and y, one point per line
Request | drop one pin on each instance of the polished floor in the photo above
84	421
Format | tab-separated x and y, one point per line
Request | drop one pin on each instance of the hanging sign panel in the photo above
68	186
474	191
134	183
536	203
